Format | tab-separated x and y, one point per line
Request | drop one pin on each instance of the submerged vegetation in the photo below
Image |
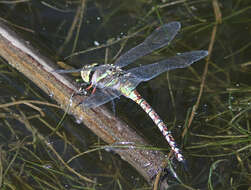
210	101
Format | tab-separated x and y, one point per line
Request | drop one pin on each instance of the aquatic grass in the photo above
217	143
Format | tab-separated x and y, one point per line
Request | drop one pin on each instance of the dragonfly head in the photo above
87	72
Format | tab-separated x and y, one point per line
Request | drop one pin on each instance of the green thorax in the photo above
110	76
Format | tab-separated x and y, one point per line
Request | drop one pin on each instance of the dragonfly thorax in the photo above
107	75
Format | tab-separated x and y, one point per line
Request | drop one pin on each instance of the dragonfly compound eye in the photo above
87	72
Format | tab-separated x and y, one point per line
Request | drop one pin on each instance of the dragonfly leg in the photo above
94	90
89	87
81	91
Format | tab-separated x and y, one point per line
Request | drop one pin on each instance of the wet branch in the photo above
38	68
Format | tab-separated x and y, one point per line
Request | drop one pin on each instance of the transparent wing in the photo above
100	97
147	72
161	37
85	68
67	71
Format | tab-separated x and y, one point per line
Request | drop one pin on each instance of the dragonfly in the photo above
112	81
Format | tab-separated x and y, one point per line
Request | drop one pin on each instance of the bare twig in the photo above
39	69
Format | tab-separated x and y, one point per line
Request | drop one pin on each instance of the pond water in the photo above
215	143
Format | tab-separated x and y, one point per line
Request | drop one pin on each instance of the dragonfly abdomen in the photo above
135	96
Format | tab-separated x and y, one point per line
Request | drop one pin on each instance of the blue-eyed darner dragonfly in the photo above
113	82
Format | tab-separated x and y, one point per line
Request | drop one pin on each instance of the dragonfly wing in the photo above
68	71
100	97
161	37
148	72
92	67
